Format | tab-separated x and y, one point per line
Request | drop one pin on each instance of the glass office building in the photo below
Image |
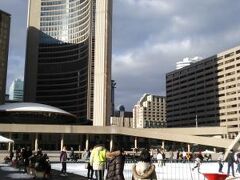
68	59
16	90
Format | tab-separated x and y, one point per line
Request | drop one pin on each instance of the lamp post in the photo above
196	121
113	86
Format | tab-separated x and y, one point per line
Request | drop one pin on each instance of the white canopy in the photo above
208	152
5	140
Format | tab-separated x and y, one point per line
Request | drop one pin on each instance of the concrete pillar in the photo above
135	142
163	144
9	144
188	148
36	142
215	150
62	142
87	142
111	142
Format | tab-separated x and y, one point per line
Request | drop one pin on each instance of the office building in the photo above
68	59
16	90
150	112
206	93
5	20
122	118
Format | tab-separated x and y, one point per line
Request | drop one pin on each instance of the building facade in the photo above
16	90
122	118
150	112
68	59
5	20
206	93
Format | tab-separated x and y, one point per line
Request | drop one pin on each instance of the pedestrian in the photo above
238	163
159	158
184	154
171	156
163	158
28	154
220	162
144	169
63	160
87	155
230	159
197	163
98	161
72	155
115	164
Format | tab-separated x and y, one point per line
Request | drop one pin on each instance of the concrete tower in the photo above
5	19
68	58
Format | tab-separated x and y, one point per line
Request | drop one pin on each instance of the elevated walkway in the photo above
200	135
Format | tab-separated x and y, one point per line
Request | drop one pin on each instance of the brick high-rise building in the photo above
206	93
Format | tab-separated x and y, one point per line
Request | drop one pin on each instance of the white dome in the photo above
31	107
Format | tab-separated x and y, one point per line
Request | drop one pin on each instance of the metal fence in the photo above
171	170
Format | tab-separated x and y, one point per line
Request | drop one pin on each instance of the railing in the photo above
170	171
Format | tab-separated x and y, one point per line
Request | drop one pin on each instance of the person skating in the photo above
220	162
197	163
230	160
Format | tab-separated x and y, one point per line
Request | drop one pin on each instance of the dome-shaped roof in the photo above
31	107
121	108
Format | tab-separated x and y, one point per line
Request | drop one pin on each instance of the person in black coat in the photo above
230	160
115	164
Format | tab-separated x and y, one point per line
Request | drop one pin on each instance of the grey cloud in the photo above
189	28
149	37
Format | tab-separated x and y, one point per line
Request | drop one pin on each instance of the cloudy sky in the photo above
149	37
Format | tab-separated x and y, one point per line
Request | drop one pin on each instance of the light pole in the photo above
113	86
196	121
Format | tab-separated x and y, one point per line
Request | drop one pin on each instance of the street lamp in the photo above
196	121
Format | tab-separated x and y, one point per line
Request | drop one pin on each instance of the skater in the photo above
197	164
230	160
159	158
220	162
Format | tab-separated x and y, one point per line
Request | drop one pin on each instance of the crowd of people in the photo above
30	162
99	158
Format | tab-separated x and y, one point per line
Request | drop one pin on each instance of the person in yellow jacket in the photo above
98	161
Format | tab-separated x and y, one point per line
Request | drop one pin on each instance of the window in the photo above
229	55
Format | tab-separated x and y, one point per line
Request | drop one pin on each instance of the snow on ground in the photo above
172	171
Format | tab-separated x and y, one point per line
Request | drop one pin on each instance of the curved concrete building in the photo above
34	113
68	59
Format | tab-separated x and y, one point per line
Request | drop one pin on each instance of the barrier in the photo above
215	176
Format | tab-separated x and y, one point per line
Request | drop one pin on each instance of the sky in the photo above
149	37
